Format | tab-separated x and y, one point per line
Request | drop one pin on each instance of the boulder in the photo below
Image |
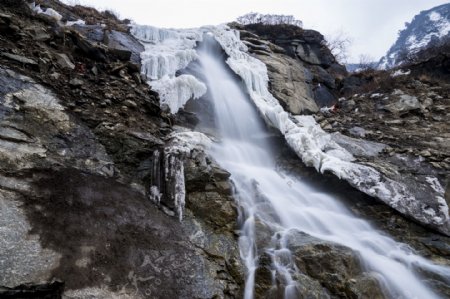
403	104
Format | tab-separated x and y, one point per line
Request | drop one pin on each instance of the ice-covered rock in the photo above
167	185
166	52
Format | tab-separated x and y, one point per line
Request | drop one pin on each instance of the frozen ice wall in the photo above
166	52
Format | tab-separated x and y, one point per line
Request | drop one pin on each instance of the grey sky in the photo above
371	24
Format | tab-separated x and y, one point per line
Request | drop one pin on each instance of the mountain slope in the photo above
428	28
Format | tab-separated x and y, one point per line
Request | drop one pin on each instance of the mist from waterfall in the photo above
283	204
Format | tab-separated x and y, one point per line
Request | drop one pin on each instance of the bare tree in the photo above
338	44
269	19
366	63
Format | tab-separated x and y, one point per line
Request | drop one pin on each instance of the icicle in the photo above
155	195
174	93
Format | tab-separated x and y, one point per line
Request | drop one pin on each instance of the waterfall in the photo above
286	204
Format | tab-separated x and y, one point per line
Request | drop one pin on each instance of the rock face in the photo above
304	75
78	131
291	83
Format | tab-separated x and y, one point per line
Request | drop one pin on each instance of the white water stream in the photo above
287	204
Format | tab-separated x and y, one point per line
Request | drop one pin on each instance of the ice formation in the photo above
175	92
49	11
316	147
166	52
167	185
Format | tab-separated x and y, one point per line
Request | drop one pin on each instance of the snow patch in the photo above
400	73
78	22
49	11
376	95
434	16
434	184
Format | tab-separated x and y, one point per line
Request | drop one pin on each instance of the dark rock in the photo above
87	47
147	137
323	77
19	58
94	33
323	96
52	290
124	46
291	78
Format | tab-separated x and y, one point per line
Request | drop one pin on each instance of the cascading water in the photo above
285	203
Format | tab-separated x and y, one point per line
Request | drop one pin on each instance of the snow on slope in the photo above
427	28
313	145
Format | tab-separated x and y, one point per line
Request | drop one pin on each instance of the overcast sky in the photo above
371	24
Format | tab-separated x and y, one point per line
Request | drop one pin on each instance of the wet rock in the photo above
94	33
87	47
336	267
202	203
147	137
